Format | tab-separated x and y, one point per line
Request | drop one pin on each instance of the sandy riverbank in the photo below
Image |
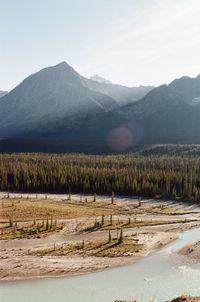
16	264
22	258
190	253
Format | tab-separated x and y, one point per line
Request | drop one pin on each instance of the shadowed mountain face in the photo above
167	114
56	109
187	88
51	94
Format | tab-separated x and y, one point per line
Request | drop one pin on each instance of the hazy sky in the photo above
131	42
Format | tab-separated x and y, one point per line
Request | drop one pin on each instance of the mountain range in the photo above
57	110
122	94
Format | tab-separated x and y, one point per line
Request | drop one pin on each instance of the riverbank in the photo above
85	244
16	264
191	253
186	299
178	299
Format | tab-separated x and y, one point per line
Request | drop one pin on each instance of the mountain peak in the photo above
51	94
63	65
64	72
184	79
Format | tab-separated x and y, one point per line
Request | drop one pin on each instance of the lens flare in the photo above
124	137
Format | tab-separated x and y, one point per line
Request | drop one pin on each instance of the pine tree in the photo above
10	223
111	219
51	222
113	198
102	220
109	237
47	224
69	197
83	244
121	237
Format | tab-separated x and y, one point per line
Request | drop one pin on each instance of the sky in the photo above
131	42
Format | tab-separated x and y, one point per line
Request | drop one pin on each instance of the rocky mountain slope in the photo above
49	95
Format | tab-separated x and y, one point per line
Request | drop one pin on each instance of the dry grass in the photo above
95	248
29	209
159	209
35	230
108	224
26	210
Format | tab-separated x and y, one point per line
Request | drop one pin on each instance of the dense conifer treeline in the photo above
149	176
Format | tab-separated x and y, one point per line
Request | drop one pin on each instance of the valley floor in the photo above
52	236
